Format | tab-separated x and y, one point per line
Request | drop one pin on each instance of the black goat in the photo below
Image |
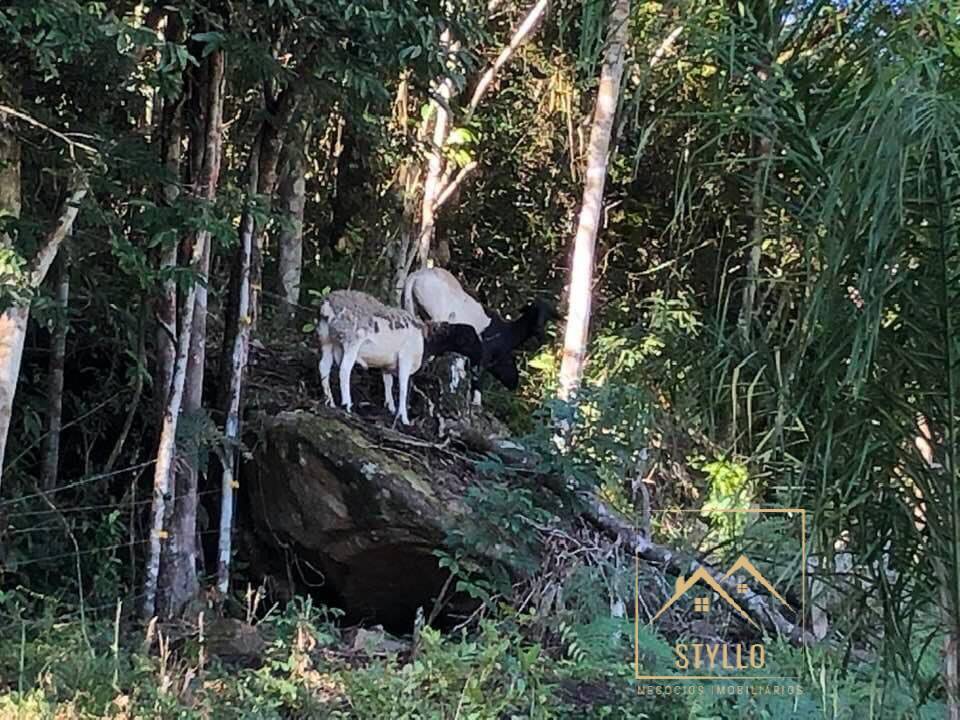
439	296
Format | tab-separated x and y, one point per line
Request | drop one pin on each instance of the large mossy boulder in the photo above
353	510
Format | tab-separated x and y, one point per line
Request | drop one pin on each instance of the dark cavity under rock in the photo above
352	511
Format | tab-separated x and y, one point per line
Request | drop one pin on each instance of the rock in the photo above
234	642
376	641
354	510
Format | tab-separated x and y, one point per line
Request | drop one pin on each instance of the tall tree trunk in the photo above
178	578
166	452
13	322
235	365
244	309
262	167
293	198
408	183
581	270
761	151
166	303
272	134
58	353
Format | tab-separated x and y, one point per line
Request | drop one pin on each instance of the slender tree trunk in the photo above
166	303
409	181
761	150
272	134
236	368
581	271
58	353
166	452
262	167
435	160
13	322
178	578
293	199
247	273
408	184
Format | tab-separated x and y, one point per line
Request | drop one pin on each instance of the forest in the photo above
485	359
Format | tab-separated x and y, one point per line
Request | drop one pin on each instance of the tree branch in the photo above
12	112
520	35
666	45
45	256
618	527
448	187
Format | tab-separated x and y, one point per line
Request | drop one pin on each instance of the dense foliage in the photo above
776	322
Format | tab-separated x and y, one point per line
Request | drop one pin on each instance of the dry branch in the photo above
614	525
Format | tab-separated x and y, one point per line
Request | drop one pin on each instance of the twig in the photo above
7	110
137	393
448	187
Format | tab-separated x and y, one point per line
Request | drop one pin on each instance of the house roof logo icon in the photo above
701	574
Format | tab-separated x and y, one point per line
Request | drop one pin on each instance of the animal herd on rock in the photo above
438	317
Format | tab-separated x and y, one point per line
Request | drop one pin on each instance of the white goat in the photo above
439	296
356	328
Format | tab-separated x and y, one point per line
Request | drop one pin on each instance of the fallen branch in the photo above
601	516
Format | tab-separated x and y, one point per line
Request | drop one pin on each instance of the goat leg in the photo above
388	392
326	363
346	368
404	370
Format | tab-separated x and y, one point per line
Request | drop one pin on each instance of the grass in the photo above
308	670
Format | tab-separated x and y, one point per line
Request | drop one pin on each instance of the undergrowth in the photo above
581	669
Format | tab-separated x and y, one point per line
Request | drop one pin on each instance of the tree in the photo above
58	353
292	198
206	97
14	318
445	171
581	268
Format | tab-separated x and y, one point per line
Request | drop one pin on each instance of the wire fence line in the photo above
91	550
15	622
118	505
130	601
76	483
74	421
49	527
75	553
